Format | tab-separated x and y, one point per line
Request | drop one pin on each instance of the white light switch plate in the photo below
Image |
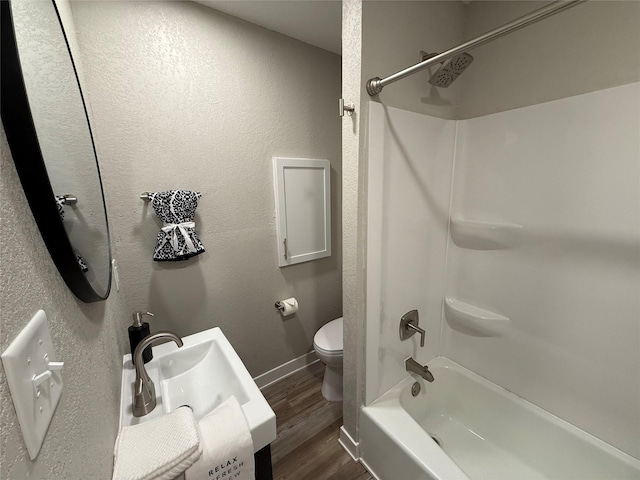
35	380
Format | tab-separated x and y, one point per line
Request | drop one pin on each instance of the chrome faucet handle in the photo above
419	330
409	326
144	393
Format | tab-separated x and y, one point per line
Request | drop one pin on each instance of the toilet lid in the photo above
329	337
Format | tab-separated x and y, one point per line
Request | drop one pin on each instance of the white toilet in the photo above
327	343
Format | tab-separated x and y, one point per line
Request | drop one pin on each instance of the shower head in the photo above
449	71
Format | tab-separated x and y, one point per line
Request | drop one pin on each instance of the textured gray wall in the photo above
186	97
393	34
589	47
353	217
586	48
181	96
89	338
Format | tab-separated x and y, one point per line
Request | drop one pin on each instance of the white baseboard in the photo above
286	369
371	472
351	446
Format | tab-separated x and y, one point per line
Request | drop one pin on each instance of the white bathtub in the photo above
486	432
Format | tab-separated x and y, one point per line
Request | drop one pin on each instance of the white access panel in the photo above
303	209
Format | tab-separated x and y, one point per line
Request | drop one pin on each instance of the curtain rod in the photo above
376	84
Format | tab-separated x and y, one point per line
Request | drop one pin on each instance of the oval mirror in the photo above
45	119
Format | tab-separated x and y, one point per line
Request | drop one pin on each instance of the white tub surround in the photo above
535	289
473	320
478	235
568	171
410	168
485	432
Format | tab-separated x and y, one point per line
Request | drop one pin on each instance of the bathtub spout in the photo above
412	366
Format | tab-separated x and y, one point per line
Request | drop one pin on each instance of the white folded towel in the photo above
227	447
160	449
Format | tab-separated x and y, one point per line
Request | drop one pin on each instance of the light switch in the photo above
34	376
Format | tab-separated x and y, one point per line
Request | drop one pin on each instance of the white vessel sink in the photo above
202	374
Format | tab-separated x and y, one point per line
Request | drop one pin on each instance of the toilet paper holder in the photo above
287	307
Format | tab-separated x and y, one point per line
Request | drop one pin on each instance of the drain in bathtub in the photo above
436	439
415	389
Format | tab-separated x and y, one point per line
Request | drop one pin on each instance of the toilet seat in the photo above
328	340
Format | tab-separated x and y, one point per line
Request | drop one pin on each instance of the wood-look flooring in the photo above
307	447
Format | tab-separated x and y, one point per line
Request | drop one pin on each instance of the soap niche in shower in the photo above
481	235
473	320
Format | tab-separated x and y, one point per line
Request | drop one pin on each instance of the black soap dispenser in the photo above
137	332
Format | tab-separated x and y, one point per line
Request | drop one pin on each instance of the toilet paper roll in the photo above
287	307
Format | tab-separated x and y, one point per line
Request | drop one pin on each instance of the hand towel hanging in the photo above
159	449
177	240
227	445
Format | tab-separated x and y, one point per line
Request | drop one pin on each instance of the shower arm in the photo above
376	84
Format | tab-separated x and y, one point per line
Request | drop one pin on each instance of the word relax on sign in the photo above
229	470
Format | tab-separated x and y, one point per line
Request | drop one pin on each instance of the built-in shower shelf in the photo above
484	235
473	320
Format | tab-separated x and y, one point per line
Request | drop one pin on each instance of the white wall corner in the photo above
352	278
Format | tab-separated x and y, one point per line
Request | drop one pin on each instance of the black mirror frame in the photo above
27	157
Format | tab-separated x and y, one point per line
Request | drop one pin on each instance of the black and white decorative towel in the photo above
60	201
177	240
